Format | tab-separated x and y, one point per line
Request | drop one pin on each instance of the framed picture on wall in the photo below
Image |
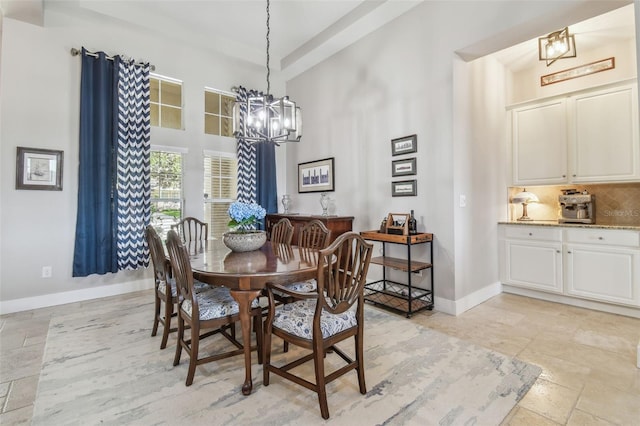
39	169
403	167
316	176
404	188
404	145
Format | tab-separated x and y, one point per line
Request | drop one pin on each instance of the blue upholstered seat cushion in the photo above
198	286
162	288
214	303
307	286
297	318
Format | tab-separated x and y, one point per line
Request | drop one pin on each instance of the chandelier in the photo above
265	118
557	45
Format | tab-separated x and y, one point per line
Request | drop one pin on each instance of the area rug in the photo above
102	367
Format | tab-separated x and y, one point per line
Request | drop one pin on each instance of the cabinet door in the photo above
539	135
604	136
603	273
534	265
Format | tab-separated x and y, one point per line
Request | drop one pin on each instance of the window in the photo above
218	112
166	190
220	187
166	102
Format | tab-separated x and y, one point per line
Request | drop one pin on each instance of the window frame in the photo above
209	200
180	200
160	105
219	115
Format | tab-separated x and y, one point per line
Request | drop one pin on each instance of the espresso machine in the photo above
577	207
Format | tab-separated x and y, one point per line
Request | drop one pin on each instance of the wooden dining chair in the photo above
281	232
214	310
313	235
165	289
192	229
319	320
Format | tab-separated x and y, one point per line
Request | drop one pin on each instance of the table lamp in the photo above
525	198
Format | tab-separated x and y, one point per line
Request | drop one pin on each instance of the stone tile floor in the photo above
588	357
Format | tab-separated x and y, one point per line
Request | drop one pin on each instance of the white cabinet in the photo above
540	143
604	137
603	265
595	264
590	136
532	257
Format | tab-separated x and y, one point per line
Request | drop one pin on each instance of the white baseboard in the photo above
573	301
456	307
47	300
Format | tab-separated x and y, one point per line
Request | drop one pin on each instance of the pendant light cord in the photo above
268	31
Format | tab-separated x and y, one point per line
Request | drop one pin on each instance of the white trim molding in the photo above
47	300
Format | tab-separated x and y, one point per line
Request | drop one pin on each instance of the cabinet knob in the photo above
564	176
569	251
530	234
557	251
574	175
601	238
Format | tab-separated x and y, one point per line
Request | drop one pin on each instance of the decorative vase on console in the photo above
324	202
243	236
286	203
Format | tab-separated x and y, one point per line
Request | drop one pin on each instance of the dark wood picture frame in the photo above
404	167
404	145
39	169
316	176
404	188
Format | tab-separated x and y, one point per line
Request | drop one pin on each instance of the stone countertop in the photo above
569	225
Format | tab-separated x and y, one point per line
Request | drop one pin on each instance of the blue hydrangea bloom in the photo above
244	215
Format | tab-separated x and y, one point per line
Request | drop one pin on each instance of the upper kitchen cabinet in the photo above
587	136
604	135
540	143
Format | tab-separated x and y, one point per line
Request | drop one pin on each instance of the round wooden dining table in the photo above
246	274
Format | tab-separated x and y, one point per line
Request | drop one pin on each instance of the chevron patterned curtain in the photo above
246	154
133	165
114	187
256	166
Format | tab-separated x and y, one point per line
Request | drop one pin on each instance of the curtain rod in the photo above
76	52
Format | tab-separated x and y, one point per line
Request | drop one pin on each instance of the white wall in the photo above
40	83
398	81
405	78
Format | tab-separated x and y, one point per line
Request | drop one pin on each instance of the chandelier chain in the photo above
268	69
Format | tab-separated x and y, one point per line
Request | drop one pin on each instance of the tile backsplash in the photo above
616	203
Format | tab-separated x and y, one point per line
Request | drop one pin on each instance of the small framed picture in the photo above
403	167
39	169
316	176
404	188
405	145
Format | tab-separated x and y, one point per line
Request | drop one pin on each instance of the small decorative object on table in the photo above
286	203
244	236
324	202
413	224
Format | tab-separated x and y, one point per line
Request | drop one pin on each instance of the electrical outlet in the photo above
463	201
47	271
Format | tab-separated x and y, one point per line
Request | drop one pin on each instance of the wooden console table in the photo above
336	224
402	297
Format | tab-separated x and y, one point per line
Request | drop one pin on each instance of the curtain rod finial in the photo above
74	51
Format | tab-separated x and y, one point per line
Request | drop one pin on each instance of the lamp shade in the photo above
525	197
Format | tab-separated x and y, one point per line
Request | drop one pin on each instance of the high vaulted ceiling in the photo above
303	32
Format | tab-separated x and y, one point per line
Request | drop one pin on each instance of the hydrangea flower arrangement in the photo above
245	215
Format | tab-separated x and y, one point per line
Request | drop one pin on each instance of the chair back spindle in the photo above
282	232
